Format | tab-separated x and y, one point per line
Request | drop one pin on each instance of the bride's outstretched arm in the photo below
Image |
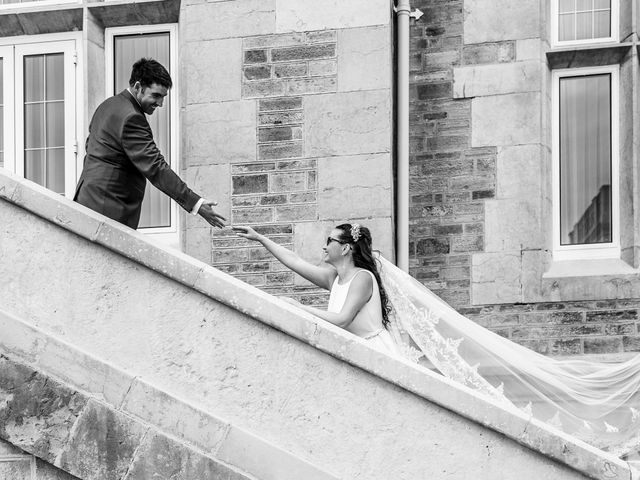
320	276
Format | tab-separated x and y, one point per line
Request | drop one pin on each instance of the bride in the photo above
370	297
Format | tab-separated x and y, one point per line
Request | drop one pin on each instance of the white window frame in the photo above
15	48
166	235
35	3
589	251
615	24
8	120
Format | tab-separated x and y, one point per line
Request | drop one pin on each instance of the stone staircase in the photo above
121	359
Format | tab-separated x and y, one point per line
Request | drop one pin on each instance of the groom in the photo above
121	154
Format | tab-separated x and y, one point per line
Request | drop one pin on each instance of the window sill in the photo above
589	268
592	55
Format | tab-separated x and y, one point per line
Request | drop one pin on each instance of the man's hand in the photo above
206	212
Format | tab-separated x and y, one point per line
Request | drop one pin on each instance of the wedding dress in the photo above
596	402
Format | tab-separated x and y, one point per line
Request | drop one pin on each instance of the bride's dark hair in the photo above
363	258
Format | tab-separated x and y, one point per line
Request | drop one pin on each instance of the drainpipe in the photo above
403	10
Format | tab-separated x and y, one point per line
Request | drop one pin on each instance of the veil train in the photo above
594	401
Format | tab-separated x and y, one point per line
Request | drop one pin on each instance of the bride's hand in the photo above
245	232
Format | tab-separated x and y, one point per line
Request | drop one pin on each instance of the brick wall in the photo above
449	179
280	188
451	183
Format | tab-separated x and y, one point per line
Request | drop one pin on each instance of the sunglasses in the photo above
331	239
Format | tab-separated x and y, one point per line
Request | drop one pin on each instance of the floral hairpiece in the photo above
355	231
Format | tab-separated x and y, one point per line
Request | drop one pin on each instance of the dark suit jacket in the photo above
120	156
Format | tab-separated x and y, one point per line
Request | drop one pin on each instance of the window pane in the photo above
54	76
34	166
602	24
566	27
55	169
585	160
55	124
584	5
566	6
33	78
602	4
127	49
584	26
34	126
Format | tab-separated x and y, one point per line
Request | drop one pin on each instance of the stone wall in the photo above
113	316
15	464
481	184
295	134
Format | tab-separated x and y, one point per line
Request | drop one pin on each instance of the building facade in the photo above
522	141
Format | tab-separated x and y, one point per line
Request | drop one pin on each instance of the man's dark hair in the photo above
147	71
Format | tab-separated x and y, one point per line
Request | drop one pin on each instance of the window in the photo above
584	21
5	4
40	86
585	158
125	45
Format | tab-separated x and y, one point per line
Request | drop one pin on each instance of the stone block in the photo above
602	345
103	444
484	80
37	414
280	118
57	209
6	449
304	52
280	104
163	260
289	70
519	171
347	186
241	18
251	215
321	36
307	15
534	264
433	246
288	182
217	63
280	150
175	416
212	182
284	40
320	68
220	133
46	471
512	119
279	134
159	456
264	88
259	72
301	86
512	225
197	243
492	20
250	184
273	199
347	123
499	52
496	278
296	213
364	59
265	461
8	184
255	56
529	49
16	469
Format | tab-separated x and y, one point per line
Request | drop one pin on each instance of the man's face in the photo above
150	97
